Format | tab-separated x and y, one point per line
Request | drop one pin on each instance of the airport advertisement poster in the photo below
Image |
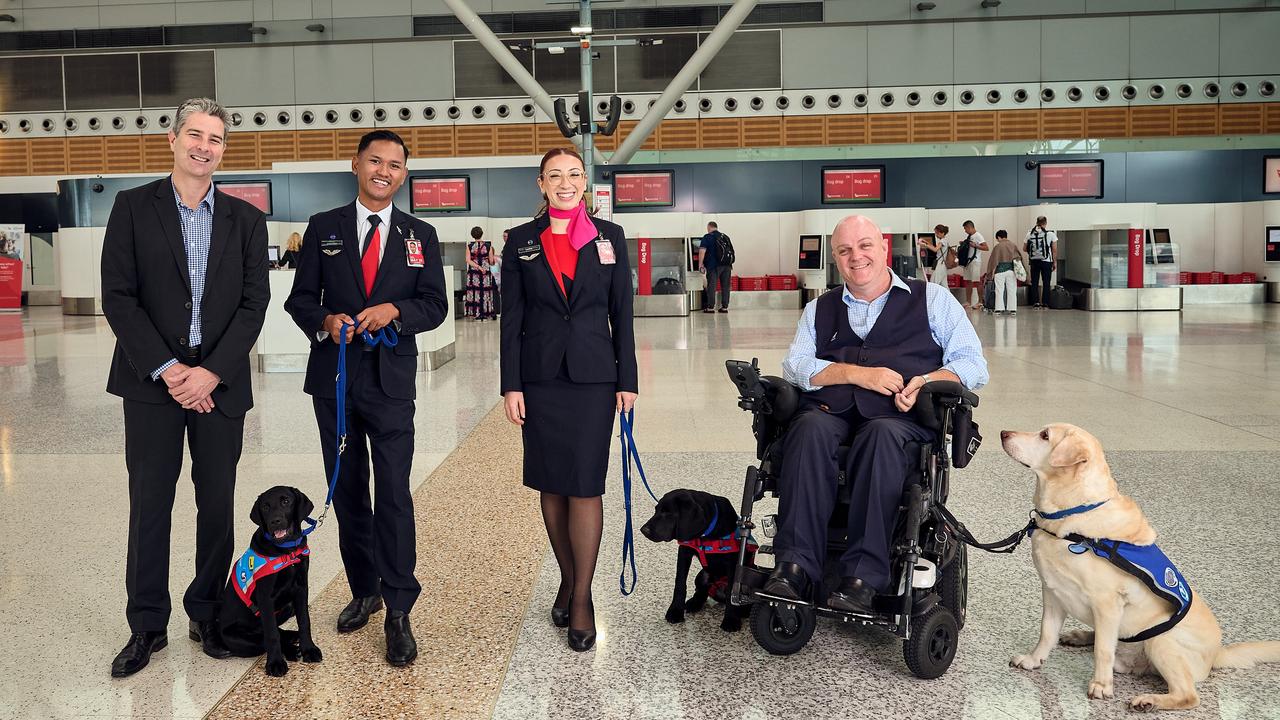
12	245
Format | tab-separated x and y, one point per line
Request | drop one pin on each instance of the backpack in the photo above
967	252
724	250
1040	238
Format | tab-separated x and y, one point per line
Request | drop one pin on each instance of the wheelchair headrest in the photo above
937	394
783	397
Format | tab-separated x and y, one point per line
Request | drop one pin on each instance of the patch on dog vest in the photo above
1150	565
252	567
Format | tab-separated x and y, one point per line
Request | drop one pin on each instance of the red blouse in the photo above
562	256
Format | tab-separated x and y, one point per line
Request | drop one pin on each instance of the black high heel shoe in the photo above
560	616
583	640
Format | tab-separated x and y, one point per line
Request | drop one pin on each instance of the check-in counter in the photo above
1273	292
1127	299
282	347
1225	294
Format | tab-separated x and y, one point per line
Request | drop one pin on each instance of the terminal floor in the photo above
1186	404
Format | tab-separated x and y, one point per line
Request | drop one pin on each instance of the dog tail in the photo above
1247	654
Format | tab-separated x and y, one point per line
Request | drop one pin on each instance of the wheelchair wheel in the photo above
780	630
954	585
932	646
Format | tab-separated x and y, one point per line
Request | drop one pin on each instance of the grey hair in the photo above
200	105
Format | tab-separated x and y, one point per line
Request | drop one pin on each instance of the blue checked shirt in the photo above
950	327
197	228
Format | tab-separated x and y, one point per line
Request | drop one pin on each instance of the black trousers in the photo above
1041	271
153	454
878	465
376	537
723	274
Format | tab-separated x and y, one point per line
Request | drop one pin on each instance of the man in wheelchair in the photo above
860	355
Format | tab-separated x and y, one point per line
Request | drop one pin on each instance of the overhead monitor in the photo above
1271	184
1161	247
1273	243
440	194
853	185
1076	179
255	192
273	254
651	188
810	252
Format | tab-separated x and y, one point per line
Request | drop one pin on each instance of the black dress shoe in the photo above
206	633
560	615
788	580
583	640
356	614
137	653
853	596
401	647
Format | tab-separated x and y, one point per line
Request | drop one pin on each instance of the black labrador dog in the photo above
699	520
268	585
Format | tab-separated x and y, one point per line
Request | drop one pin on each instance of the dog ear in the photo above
1069	451
302	506
255	515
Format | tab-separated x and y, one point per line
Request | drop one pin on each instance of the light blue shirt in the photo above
197	229
948	323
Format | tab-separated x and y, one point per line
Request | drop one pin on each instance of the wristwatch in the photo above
925	377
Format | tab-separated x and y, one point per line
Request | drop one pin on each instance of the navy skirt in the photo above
568	429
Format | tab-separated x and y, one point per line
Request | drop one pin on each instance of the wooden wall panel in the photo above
124	154
473	140
720	133
889	128
678	135
318	145
978	126
278	146
847	129
1272	121
627	126
1151	121
548	138
1062	124
608	143
156	155
1195	120
804	130
764	132
1241	118
15	157
348	139
1106	122
515	139
86	155
432	142
932	127
1017	125
242	152
49	156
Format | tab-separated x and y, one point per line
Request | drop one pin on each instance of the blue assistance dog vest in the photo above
252	567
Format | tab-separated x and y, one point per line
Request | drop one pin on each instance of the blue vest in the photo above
900	340
1151	566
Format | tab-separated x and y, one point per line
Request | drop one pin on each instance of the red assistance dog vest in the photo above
722	546
252	567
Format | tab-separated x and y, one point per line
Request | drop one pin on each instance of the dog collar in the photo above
1070	511
291	544
715	518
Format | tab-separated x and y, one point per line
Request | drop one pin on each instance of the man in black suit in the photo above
184	288
362	267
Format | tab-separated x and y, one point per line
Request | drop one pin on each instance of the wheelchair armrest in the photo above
783	397
936	395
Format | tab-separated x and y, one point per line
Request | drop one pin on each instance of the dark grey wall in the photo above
1217	176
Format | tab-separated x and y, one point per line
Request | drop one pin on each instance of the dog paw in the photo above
675	615
1076	638
1101	690
277	667
731	624
312	655
694	604
1025	662
1144	703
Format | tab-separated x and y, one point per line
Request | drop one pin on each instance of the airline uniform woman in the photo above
568	366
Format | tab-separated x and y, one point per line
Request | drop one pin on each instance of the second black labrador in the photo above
268	585
688	515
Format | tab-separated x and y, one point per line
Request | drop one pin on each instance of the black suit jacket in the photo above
146	293
329	281
591	330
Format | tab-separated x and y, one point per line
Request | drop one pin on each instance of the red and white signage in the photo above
852	185
642	189
1136	239
644	266
12	246
603	195
257	194
1071	180
440	194
1272	183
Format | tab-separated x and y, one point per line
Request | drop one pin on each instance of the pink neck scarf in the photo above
581	230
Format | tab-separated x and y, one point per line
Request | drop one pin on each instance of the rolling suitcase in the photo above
989	296
1060	298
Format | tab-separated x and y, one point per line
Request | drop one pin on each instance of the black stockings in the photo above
574	525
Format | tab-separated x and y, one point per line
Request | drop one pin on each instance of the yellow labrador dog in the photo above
1076	496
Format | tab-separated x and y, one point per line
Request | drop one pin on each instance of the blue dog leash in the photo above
386	336
629	452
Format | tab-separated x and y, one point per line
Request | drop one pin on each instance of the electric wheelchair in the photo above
929	563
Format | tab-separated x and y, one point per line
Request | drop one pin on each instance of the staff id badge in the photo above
413	252
604	249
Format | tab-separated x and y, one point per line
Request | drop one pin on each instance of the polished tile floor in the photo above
1187	405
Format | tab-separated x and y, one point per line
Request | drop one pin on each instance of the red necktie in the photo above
369	262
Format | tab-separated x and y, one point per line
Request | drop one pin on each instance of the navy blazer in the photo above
591	330
329	281
146	293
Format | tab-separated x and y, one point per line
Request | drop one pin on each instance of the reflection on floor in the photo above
1185	404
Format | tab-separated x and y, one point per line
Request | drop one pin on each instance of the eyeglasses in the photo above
555	177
